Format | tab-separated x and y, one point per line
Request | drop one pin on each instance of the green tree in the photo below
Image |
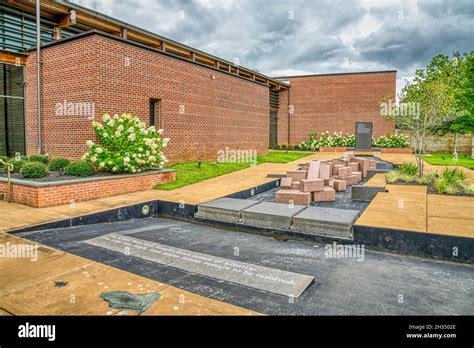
428	102
463	86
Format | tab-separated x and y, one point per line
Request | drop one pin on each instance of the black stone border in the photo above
424	244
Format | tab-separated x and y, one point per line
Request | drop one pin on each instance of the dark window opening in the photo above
155	113
12	115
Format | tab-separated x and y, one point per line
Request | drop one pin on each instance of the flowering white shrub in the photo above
125	145
338	139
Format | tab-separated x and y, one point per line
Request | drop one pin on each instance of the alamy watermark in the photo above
37	331
354	251
402	109
13	250
228	155
68	108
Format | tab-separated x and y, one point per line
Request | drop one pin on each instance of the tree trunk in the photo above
455	138
472	145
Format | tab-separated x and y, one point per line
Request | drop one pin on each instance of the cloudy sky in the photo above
295	37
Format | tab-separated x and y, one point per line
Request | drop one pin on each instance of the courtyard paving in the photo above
369	283
21	282
60	283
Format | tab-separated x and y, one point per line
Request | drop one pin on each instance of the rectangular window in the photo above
12	116
155	114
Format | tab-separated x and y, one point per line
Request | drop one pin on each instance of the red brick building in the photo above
96	64
334	102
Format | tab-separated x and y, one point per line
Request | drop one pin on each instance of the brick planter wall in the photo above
407	150
332	149
47	194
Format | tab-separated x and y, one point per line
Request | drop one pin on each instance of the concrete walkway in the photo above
411	208
59	283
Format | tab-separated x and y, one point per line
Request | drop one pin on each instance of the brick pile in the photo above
318	181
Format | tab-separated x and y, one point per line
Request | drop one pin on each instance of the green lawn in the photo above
446	159
191	172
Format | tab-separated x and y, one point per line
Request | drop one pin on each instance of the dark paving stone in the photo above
343	286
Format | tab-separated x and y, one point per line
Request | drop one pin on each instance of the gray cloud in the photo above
315	36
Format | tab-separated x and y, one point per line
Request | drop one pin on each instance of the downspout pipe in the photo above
289	116
38	75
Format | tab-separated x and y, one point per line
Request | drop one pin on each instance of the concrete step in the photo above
331	222
223	209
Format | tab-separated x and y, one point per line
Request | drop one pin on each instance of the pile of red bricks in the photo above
319	180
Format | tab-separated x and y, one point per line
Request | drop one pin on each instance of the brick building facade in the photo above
201	111
204	103
334	102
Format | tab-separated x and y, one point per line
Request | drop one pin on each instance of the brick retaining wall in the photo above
41	195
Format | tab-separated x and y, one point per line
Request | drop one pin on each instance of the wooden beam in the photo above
12	58
66	20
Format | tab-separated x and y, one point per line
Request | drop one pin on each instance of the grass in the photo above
188	173
446	159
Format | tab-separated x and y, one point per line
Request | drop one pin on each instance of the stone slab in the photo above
325	221
255	276
311	185
363	135
296	175
223	209
271	215
295	185
328	194
293	197
325	171
286	183
313	171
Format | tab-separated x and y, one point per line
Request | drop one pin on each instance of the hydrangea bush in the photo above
125	145
391	140
337	139
327	139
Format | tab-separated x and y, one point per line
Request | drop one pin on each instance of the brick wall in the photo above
336	102
200	115
47	196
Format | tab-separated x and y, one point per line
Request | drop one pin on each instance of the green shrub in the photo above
428	179
453	176
407	178
17	164
468	189
34	170
58	164
39	158
276	147
408	168
79	168
125	145
4	158
452	190
283	147
392	176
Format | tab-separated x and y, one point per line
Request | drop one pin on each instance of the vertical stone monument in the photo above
363	136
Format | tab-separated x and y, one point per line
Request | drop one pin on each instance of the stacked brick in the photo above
318	181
